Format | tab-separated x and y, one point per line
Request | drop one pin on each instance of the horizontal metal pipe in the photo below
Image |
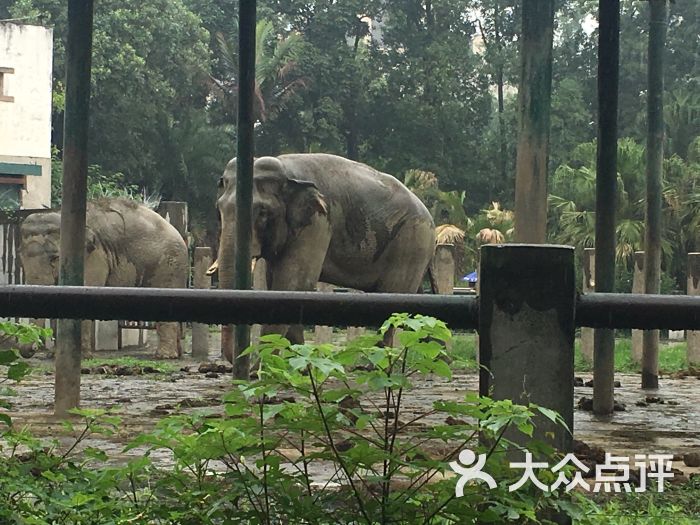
645	311
598	310
230	306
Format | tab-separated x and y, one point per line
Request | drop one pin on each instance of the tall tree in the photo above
658	23
497	24
534	111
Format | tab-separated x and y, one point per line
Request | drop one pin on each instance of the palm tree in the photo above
572	203
446	207
275	70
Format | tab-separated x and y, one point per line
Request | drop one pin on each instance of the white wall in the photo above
25	123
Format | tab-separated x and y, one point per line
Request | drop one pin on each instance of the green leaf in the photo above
442	369
8	356
17	371
4	418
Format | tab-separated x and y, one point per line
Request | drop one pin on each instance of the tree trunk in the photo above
534	109
606	190
502	161
658	22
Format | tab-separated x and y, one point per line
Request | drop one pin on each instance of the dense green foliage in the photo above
404	86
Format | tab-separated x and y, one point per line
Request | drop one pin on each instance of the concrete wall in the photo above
25	121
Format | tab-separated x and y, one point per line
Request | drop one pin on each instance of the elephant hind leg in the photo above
87	339
169	346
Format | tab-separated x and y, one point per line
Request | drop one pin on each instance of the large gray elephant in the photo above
320	217
127	244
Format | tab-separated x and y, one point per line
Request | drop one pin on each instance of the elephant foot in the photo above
166	355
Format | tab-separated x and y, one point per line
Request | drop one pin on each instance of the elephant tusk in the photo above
213	268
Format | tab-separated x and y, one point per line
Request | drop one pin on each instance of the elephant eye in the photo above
221	182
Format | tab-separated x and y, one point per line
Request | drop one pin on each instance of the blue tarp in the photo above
470	278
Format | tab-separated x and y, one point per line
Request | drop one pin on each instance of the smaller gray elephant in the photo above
126	244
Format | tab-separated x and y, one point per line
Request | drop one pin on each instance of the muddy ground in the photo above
669	423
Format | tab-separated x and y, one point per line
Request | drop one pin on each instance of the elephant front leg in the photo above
169	346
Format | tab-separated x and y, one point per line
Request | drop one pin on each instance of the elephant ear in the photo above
90	240
305	201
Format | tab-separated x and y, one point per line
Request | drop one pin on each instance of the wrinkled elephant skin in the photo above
319	217
127	244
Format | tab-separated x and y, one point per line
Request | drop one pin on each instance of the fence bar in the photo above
606	195
72	249
644	311
231	306
243	279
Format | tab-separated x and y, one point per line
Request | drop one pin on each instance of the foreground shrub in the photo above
322	436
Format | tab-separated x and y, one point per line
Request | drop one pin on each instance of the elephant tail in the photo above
432	279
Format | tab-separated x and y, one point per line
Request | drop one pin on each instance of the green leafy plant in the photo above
323	435
10	360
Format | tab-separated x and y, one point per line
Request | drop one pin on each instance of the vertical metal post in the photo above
534	101
72	249
526	331
606	190
244	175
658	22
200	279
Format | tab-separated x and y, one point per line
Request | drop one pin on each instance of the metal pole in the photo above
606	190
232	306
72	249
658	21
244	175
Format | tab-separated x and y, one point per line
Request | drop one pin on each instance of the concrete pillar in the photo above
323	334
694	289
353	332
588	287
131	337
526	332
106	335
444	266
176	214
638	287
259	283
200	279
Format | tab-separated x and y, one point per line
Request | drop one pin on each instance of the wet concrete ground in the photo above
141	400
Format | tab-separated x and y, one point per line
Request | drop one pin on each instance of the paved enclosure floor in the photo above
669	427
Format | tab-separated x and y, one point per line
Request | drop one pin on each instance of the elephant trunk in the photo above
226	268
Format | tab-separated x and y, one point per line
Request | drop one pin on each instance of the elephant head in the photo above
40	247
282	206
